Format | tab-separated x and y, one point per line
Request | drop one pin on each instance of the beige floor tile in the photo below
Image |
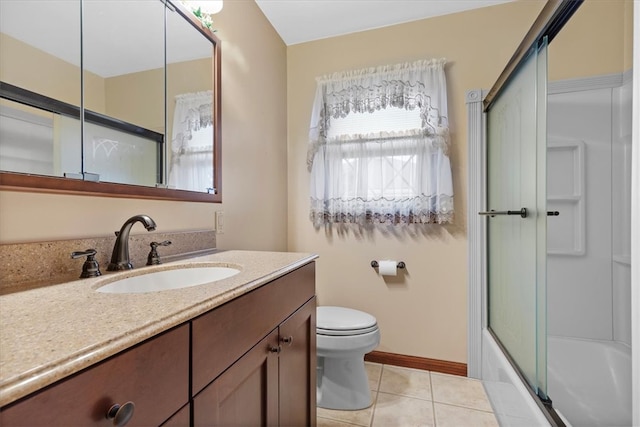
404	401
373	372
406	382
394	410
457	416
325	422
459	391
360	418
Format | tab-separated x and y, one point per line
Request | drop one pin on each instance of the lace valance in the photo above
193	112
419	84
363	172
192	142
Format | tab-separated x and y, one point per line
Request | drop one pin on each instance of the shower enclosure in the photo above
550	298
588	247
516	226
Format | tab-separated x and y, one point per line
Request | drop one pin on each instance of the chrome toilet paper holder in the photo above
374	264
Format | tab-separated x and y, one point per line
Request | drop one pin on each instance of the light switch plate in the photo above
219	222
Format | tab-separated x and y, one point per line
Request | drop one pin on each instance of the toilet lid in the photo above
343	321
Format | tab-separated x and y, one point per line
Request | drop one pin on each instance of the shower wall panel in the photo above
579	171
589	177
621	211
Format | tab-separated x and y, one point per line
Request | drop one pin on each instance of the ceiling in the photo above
112	41
299	21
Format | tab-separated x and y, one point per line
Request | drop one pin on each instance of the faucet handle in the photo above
153	258
90	268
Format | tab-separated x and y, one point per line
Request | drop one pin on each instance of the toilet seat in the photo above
341	321
343	337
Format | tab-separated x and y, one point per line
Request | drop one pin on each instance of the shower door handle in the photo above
522	212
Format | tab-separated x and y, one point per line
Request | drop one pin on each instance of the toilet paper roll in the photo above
388	268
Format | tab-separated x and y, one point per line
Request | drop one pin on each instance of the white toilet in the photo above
344	336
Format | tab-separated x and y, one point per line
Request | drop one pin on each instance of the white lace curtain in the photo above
378	146
192	142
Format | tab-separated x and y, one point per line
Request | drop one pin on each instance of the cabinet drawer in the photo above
223	335
153	375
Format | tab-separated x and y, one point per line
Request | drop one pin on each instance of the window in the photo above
192	143
378	147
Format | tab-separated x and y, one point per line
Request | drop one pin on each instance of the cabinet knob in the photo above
121	414
287	340
275	349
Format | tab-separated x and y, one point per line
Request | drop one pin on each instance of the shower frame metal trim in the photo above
549	22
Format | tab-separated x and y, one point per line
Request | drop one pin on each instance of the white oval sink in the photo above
168	279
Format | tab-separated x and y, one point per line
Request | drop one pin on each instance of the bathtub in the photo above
510	399
589	381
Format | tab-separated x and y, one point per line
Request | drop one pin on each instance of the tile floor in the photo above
404	397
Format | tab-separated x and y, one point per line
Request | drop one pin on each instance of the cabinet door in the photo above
223	335
153	375
182	418
298	367
246	394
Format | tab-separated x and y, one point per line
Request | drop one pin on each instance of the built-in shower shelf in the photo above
566	170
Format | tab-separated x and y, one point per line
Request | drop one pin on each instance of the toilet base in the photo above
342	383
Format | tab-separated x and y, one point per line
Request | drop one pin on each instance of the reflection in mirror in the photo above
122	92
189	106
32	139
123	65
37	141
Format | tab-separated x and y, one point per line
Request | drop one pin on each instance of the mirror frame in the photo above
13	181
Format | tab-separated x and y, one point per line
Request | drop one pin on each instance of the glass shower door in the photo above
516	217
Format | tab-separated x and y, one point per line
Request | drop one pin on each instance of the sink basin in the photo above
168	279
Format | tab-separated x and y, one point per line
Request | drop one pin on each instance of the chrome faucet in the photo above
120	255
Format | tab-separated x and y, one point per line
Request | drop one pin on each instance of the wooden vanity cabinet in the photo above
297	363
182	418
239	383
253	363
153	375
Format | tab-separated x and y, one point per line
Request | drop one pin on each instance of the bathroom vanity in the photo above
239	351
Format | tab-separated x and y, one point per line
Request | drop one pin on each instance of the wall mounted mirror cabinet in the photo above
109	98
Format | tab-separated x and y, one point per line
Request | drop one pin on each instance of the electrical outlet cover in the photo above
219	222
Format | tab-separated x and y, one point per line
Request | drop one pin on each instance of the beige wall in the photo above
137	98
254	106
595	41
254	158
424	312
33	69
628	34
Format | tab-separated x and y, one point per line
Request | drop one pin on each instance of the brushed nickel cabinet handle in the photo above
522	212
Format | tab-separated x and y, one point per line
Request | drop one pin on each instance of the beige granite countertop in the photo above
49	333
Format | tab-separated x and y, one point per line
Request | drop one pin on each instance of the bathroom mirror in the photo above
123	147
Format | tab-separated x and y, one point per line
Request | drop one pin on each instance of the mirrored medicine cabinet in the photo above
115	98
